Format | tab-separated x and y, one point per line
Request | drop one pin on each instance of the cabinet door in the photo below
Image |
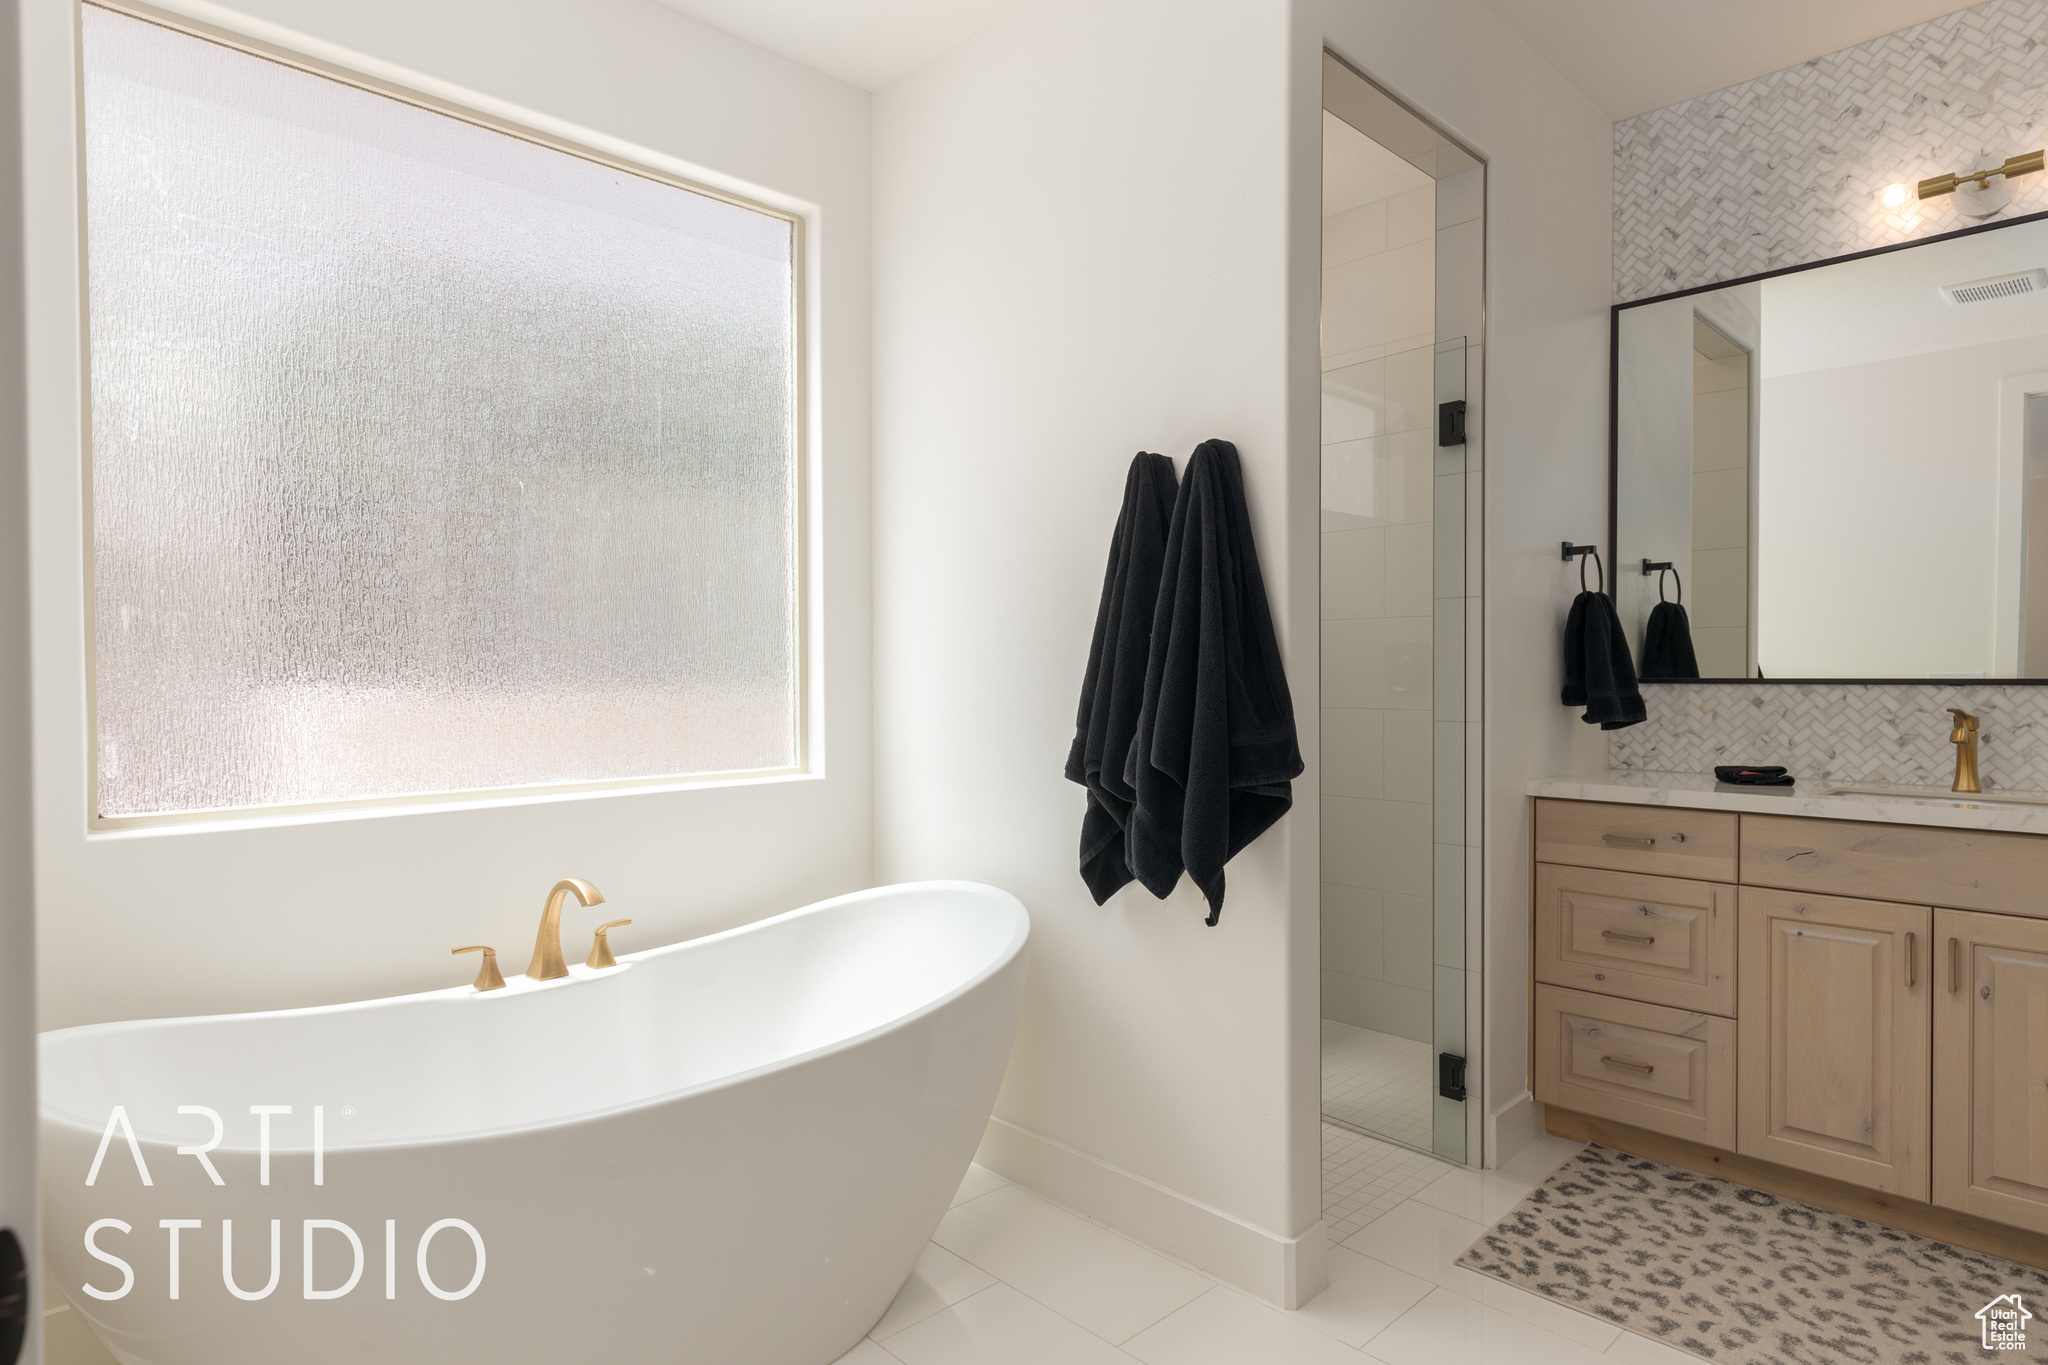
1834	1037
1991	1072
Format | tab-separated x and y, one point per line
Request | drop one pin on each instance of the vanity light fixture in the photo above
1899	202
1975	196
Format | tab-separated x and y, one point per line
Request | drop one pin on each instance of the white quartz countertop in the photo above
1699	791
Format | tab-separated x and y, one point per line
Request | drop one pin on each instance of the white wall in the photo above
19	1187
1096	230
1083	250
1543	433
199	919
1899	582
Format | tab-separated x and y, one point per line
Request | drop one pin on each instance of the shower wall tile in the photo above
1354	578
1409	745
1378	1005
1354	927
1847	733
1410	389
1359	232
1354	752
1460	198
1786	169
1411	216
1409	936
1408	569
1380	663
1381	845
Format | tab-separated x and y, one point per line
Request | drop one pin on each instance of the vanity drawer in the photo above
1965	869
1662	940
1655	839
1670	1071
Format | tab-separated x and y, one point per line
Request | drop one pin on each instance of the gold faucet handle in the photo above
601	951
1964	720
488	978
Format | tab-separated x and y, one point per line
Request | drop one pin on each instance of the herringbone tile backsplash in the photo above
1859	732
1787	168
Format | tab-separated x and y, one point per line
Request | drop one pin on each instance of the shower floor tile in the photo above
1378	1082
1364	1178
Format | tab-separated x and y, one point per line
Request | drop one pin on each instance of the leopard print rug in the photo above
1735	1275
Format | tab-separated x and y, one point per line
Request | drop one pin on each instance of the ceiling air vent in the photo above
1997	287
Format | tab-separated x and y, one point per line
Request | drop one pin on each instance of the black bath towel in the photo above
1215	754
1667	644
1114	687
1598	673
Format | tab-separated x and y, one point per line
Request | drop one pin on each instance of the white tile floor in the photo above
1364	1178
1013	1280
1378	1082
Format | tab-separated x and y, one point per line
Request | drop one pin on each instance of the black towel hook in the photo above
1651	566
1581	553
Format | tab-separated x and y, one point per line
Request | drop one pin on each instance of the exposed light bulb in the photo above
1895	196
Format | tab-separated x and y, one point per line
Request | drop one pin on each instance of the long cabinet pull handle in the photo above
1955	965
1911	957
1645	939
1627	1065
1633	840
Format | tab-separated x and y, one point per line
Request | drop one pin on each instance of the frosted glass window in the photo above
425	458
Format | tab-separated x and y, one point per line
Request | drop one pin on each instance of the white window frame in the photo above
808	699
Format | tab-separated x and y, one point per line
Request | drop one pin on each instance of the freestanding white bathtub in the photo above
724	1152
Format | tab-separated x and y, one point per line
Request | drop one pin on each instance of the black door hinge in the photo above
1450	423
1450	1076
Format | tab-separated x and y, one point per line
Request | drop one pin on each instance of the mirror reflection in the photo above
1842	468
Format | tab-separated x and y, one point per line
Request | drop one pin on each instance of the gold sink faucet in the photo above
547	961
1964	737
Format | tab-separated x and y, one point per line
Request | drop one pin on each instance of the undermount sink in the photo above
1946	795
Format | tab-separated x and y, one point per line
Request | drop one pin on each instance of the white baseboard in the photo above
1288	1271
1515	1125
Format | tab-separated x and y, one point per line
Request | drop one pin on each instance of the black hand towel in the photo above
1113	689
1598	673
1667	644
1215	753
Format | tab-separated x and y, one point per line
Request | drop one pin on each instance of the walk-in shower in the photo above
1403	260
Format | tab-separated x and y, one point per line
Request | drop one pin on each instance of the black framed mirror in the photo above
1840	469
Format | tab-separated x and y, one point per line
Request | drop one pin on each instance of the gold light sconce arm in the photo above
601	951
2014	166
488	977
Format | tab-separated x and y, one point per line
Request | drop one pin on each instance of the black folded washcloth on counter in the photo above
1753	777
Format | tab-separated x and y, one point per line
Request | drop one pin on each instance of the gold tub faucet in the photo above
1964	737
547	961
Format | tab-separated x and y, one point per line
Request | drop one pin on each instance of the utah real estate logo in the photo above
2005	1321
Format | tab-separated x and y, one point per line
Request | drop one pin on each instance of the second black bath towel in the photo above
1215	754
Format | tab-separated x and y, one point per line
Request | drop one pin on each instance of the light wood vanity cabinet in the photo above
1834	1044
1865	1003
1991	1066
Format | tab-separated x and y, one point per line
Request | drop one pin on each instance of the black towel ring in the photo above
1651	566
1582	553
